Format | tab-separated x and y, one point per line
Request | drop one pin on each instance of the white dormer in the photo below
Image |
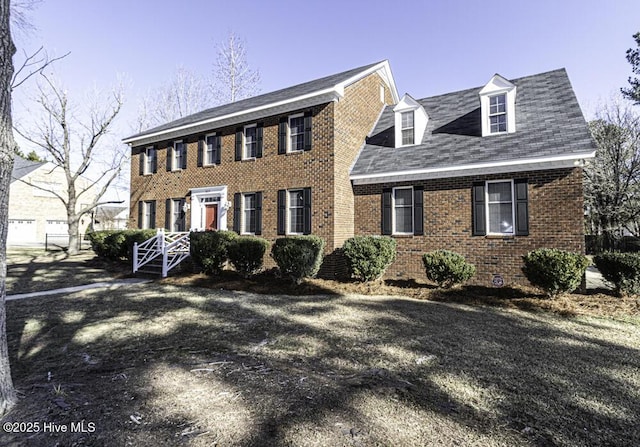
410	121
498	106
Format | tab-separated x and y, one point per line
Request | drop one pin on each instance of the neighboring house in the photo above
490	172
109	217
34	211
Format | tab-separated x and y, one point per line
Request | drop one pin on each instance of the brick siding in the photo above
555	221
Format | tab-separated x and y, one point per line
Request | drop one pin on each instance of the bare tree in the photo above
233	78
633	57
612	179
186	93
7	150
75	146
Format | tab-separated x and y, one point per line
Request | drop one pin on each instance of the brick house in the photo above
491	172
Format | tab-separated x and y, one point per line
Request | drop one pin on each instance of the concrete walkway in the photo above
595	279
98	285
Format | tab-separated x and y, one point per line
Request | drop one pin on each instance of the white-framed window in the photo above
498	113
295	211
408	128
148	214
178	153
210	149
250	147
249	213
150	160
295	133
177	215
402	203
500	210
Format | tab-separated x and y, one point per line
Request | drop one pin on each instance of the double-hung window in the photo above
210	150
296	133
403	210
147	214
178	156
295	211
176	215
408	128
498	113
150	160
249	213
250	142
500	207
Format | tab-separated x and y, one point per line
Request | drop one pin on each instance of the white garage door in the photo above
21	231
56	227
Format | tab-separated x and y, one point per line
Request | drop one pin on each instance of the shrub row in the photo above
554	271
117	245
622	270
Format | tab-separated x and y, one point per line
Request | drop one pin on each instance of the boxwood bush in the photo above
622	270
368	257
246	254
209	249
554	271
98	244
298	257
447	268
117	245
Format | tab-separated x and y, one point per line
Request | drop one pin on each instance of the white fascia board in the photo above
535	164
327	95
386	75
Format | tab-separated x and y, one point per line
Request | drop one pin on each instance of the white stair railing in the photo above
172	247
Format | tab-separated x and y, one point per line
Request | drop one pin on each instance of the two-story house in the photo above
490	172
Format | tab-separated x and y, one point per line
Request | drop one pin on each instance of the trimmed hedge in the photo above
117	245
447	268
368	257
246	254
209	249
554	271
298	257
622	270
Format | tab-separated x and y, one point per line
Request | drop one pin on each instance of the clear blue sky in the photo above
434	46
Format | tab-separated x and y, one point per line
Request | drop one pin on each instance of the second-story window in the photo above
498	113
407	128
177	156
296	133
210	150
250	141
150	160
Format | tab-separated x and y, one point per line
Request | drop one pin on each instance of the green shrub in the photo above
117	245
369	256
97	239
554	271
246	254
133	236
622	270
298	257
447	268
209	249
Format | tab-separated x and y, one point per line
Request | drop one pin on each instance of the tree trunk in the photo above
73	236
7	145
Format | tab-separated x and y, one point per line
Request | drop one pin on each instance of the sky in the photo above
433	46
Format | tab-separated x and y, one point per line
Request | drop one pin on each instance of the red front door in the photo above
211	217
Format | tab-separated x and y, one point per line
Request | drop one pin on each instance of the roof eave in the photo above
503	167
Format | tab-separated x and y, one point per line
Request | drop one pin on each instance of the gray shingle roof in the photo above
258	101
22	167
549	123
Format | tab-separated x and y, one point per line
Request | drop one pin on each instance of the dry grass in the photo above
166	364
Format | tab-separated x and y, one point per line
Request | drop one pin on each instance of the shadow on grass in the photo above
160	365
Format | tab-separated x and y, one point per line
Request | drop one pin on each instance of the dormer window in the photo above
498	104
498	113
410	122
408	130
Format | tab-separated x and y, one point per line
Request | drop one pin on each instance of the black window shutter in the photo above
140	206
418	212
184	155
306	195
258	213
237	212
239	132
143	157
386	211
169	155
307	131
259	129
182	225
154	159
167	215
152	223
201	143
479	219
282	211
218	146
282	135
522	207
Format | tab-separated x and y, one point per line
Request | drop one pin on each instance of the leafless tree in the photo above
612	179
186	93
7	150
76	147
233	77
